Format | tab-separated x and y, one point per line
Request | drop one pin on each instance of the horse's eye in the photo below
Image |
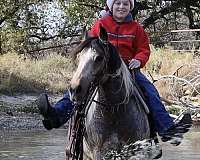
98	59
94	50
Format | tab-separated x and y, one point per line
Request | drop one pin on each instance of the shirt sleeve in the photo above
142	46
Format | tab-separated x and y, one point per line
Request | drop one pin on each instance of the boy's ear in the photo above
103	34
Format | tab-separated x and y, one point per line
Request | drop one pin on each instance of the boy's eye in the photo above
118	3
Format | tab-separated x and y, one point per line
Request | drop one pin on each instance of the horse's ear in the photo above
114	62
85	34
103	34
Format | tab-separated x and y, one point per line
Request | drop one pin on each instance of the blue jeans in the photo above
161	118
64	108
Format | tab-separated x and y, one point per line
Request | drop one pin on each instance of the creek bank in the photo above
21	112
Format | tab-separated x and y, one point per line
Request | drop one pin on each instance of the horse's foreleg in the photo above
68	154
97	155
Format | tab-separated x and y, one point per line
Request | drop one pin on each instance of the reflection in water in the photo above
50	145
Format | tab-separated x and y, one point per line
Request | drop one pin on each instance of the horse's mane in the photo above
84	44
127	80
126	76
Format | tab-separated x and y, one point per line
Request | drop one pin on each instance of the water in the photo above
50	145
29	145
188	150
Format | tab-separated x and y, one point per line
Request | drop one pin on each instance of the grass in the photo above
52	73
168	62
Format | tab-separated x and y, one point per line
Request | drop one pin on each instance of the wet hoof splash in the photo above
142	150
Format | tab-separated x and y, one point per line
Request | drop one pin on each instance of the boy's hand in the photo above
134	63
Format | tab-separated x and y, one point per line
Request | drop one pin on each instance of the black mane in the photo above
84	44
114	60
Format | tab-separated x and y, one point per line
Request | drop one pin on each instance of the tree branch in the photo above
172	8
9	14
91	5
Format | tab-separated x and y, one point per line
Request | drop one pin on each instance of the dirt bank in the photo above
20	112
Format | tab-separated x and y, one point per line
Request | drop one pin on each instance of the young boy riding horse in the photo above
132	44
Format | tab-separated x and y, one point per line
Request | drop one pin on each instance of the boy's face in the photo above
121	9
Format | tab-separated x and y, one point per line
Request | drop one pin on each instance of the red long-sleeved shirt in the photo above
128	37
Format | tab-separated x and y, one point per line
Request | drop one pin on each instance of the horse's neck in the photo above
113	92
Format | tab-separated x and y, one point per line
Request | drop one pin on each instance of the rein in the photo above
76	146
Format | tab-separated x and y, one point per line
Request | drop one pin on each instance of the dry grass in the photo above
167	62
18	75
52	74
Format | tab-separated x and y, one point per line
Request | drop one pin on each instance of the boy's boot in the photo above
175	133
51	119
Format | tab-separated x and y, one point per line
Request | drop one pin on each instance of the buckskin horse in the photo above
115	116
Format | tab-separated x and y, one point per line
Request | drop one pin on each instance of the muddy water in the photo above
45	145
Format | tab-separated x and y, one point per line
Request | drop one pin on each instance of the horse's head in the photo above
97	59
